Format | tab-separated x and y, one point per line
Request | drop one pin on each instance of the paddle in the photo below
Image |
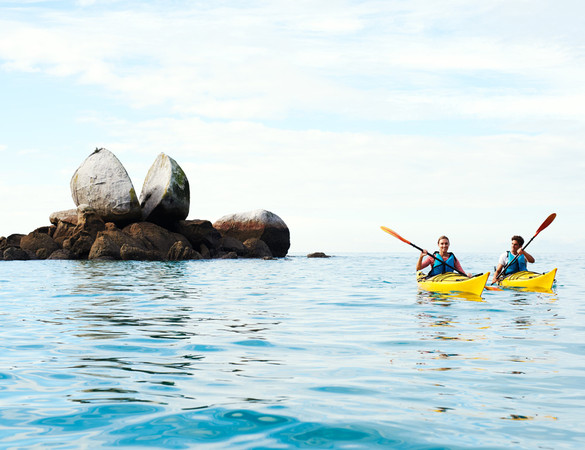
545	224
397	236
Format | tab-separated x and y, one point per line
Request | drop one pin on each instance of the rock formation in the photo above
165	193
260	224
102	183
109	224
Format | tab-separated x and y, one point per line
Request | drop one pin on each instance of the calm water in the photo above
305	353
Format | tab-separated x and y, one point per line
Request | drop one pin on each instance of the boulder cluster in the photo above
110	222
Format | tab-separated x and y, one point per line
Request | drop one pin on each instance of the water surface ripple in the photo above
342	352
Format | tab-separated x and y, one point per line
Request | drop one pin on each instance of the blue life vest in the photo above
516	266
440	266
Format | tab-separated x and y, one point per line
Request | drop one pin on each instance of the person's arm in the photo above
501	263
528	257
497	274
420	265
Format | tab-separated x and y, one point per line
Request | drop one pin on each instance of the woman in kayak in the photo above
514	260
442	261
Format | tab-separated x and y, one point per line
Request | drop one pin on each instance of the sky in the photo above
449	117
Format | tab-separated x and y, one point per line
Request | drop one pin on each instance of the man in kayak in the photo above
514	260
442	261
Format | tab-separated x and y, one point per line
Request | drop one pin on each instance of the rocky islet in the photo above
110	222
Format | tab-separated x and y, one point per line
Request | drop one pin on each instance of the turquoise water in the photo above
342	352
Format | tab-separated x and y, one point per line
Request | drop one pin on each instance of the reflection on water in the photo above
277	354
446	298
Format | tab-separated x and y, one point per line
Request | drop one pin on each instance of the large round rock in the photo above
165	194
103	183
260	224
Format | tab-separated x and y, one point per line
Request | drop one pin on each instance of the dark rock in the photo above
104	247
318	255
179	252
79	245
42	253
155	238
257	248
260	224
230	244
11	241
109	243
39	244
61	254
199	233
89	221
15	254
204	252
64	230
129	253
89	224
229	255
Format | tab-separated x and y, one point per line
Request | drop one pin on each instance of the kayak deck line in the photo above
452	282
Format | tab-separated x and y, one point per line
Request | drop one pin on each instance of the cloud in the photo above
338	115
339	170
372	60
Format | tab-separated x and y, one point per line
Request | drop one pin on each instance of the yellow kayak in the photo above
529	280
452	282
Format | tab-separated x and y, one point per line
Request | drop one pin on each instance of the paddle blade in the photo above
546	223
395	234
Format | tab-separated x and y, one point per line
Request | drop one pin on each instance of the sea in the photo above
330	353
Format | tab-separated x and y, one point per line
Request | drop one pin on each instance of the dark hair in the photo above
518	239
443	237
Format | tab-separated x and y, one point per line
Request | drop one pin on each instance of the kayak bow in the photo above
452	282
529	280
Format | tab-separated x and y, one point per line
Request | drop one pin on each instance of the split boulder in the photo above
103	183
165	193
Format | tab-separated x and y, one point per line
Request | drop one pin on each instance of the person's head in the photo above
443	242
517	242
